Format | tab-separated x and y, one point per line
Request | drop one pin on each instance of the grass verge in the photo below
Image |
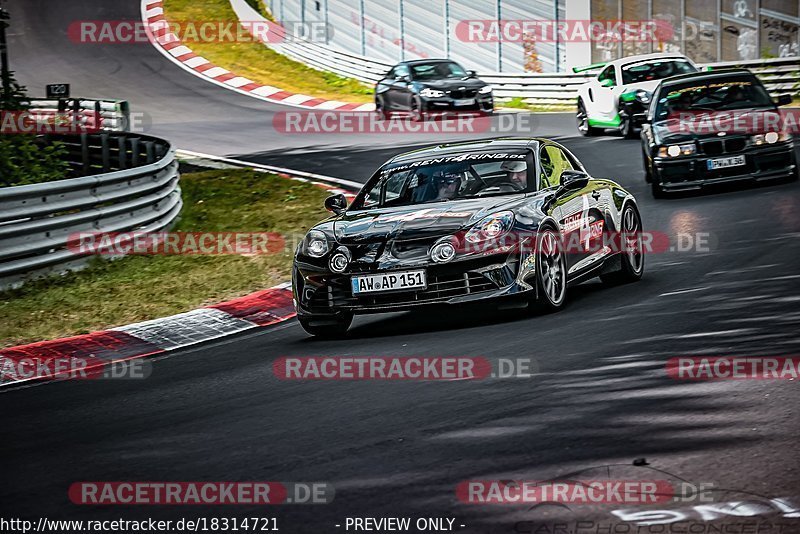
257	62
519	103
138	288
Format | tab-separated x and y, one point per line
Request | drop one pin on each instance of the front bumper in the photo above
323	293
761	163
481	103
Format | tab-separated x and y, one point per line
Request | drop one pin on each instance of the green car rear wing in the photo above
593	66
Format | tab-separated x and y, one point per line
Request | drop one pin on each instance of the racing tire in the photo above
582	121
332	330
626	128
417	114
656	189
551	273
648	176
632	254
380	109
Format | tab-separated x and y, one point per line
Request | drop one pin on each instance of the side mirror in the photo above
336	203
471	73
572	179
784	100
405	78
607	83
640	118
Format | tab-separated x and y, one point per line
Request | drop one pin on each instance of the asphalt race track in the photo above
601	397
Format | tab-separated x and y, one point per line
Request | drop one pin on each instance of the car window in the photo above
553	162
736	92
438	71
401	70
391	74
608	74
656	70
451	178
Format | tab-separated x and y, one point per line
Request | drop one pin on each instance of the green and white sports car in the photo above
622	89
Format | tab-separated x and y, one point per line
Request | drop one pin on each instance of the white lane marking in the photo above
682	291
717	333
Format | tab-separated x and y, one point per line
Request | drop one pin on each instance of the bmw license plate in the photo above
722	163
463	101
401	280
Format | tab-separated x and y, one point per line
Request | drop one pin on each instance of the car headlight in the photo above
769	138
485	90
431	93
491	227
673	151
316	244
643	96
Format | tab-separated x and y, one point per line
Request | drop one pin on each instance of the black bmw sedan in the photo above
517	220
429	86
712	127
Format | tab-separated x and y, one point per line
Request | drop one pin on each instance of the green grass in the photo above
137	288
260	64
519	103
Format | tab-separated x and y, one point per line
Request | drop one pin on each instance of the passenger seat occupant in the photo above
517	174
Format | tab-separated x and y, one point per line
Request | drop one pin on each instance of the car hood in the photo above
702	126
448	84
648	86
419	221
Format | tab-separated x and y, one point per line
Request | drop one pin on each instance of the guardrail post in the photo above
122	147
148	146
85	153
135	152
106	152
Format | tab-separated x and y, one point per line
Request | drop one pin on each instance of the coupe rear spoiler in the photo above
593	66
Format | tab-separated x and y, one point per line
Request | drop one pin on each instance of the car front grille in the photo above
468	93
338	293
718	147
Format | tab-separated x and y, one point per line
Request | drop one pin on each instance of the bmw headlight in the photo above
673	151
431	93
769	138
485	90
491	227
316	244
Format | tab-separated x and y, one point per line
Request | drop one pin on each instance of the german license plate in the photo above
463	101
722	163
401	280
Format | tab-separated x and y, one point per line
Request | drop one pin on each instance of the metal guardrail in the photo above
124	182
114	115
779	75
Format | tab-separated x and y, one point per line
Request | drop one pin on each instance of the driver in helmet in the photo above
448	183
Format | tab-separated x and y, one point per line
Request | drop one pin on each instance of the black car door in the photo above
400	90
575	210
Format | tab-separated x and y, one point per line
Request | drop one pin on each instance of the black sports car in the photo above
431	86
513	218
705	128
